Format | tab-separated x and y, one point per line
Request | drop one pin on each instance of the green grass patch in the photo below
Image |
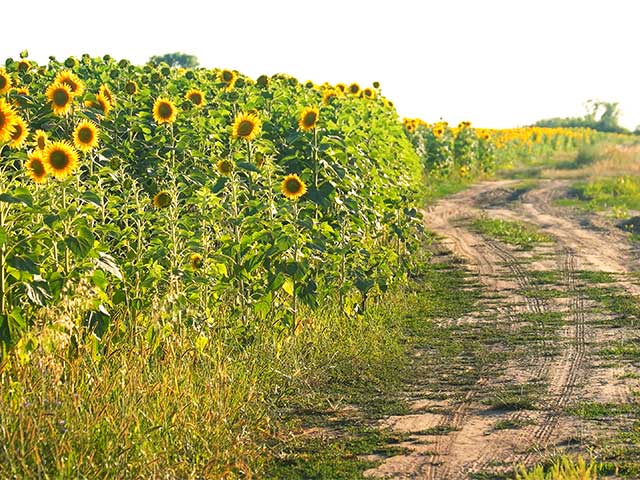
511	424
524	396
621	193
518	234
596	411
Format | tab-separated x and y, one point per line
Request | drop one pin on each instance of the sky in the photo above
497	63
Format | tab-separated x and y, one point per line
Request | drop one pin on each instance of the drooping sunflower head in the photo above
308	119
60	158
293	187
164	111
196	261
5	81
108	95
35	167
225	167
19	133
85	136
24	65
162	199
263	81
61	98
341	87
100	103
228	77
71	80
40	139
195	96
246	126
7	119
354	89
131	87
369	93
328	95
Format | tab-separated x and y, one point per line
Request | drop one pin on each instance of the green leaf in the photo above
287	286
107	263
37	292
19	195
219	185
247	166
91	197
81	245
23	264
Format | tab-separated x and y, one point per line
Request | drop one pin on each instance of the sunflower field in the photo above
177	247
163	195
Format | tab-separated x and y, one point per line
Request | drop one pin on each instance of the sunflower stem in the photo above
3	253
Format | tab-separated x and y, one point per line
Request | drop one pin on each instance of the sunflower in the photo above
100	103
354	89
369	93
36	168
5	81
105	91
293	187
40	139
60	158
71	80
19	133
438	131
225	167
85	136
341	87
24	65
308	119
195	96
164	111
196	261
229	78
7	119
131	87
162	199
246	126
329	95
61	98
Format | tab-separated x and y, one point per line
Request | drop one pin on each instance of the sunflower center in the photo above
73	86
245	128
85	135
164	111
60	97
227	76
37	167
196	98
310	119
3	82
3	119
58	160
293	186
41	142
17	132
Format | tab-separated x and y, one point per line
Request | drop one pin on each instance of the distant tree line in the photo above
601	116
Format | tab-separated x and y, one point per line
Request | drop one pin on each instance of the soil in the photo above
462	440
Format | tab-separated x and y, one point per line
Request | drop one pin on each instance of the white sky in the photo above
498	63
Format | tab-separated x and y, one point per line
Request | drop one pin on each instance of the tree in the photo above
601	116
176	59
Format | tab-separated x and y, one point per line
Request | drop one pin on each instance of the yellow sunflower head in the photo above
7	120
60	158
225	167
24	65
196	261
328	95
438	131
100	103
162	199
19	133
131	87
106	93
71	80
61	98
40	139
354	89
308	119
341	87
164	111
195	96
246	126
5	81
228	77
293	187
85	136
36	168
369	93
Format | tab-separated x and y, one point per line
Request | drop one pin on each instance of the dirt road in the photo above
459	434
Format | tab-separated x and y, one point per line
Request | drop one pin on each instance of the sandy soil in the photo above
568	369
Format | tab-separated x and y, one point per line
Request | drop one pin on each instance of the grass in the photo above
515	233
515	396
600	411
